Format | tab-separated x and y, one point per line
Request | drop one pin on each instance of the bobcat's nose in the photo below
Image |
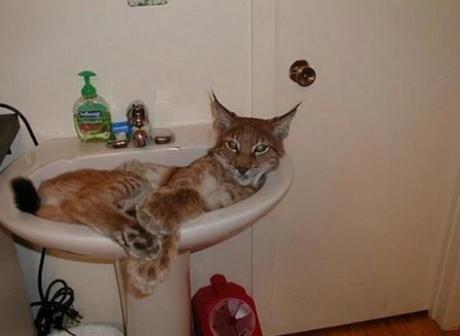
242	170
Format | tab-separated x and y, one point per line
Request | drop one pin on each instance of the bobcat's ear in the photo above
280	125
223	118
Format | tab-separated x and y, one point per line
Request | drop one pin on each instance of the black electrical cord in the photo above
55	304
24	120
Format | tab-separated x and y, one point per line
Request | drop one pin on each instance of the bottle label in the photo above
92	122
91	113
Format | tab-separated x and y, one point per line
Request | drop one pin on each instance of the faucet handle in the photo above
137	114
140	138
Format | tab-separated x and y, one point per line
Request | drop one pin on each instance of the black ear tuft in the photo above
25	195
281	124
223	117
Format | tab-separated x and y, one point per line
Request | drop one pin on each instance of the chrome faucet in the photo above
139	121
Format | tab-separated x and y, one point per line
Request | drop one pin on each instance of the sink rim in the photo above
201	232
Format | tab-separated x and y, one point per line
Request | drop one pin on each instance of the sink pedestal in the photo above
165	312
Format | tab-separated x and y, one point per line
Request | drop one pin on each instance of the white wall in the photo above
168	56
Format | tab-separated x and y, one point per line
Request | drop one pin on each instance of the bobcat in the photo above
141	205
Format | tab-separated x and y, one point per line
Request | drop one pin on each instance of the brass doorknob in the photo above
302	73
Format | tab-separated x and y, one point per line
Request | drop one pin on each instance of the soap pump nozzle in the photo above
88	90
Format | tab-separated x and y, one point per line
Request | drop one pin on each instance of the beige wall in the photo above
169	56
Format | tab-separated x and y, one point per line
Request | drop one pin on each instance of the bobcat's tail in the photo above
25	195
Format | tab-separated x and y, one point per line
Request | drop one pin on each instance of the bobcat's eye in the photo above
232	145
260	149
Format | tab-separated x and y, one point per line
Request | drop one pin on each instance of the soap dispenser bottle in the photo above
91	113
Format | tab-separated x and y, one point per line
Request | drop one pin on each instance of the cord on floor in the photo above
55	305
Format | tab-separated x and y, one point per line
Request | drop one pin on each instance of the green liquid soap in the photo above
91	113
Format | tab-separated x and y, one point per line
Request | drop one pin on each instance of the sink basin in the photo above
167	311
57	156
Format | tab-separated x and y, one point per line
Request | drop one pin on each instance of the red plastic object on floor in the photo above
225	309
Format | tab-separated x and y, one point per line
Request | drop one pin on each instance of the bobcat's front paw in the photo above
140	243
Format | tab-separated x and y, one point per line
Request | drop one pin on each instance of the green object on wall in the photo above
137	3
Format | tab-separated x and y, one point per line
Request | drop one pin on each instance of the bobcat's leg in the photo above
119	227
180	199
167	208
54	213
144	275
162	215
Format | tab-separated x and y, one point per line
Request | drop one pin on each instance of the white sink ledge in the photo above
57	156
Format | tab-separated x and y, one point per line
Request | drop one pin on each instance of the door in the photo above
374	146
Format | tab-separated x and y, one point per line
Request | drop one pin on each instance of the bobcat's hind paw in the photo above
140	243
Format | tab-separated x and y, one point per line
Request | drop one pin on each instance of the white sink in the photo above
167	311
54	157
